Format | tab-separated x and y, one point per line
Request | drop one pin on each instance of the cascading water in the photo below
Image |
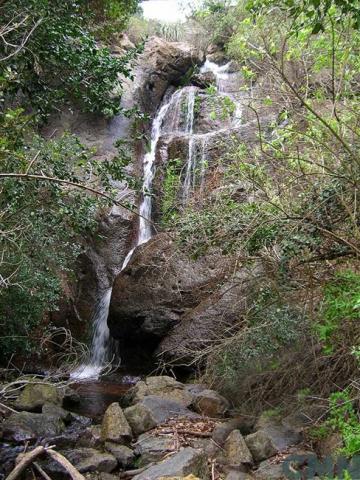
172	112
101	344
189	127
226	85
145	229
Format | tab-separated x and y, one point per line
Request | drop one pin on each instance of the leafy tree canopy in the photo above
49	56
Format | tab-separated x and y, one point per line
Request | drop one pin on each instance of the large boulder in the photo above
35	395
153	448
153	411
210	403
23	426
272	435
223	429
171	289
162	409
123	454
115	427
236	450
162	63
185	462
270	471
260	445
161	386
140	418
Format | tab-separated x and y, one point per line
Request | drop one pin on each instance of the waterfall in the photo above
227	84
145	229
203	163
176	121
100	353
189	127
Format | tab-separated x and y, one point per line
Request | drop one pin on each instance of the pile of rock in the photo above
168	429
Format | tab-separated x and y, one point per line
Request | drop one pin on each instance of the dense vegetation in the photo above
51	190
301	221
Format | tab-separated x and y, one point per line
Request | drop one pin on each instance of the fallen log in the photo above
64	462
26	460
29	458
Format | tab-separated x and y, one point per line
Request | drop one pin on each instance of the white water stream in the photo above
100	346
226	85
171	111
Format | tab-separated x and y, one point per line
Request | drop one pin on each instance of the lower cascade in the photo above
176	116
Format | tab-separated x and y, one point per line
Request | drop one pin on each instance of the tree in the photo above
51	191
48	56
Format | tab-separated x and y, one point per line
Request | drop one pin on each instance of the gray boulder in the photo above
185	462
272	436
260	445
56	411
115	427
223	429
124	455
270	471
35	395
161	386
23	426
210	403
153	411
152	448
85	460
236	451
162	409
140	418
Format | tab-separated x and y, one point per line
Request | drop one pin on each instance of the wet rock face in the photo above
157	289
161	64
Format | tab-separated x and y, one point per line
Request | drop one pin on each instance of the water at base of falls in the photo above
100	341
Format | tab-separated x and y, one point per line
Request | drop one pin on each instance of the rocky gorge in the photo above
157	301
203	320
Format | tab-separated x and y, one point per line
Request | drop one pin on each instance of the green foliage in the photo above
341	303
342	419
227	224
110	16
197	104
42	222
217	17
253	348
222	106
61	61
270	327
50	58
313	12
